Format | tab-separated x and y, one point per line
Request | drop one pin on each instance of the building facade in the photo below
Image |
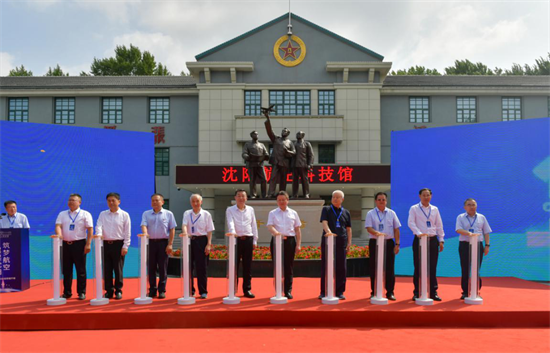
336	91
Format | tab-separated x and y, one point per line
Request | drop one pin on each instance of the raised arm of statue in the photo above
269	129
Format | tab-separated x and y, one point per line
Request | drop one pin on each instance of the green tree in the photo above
57	71
466	67
128	62
541	67
20	71
416	70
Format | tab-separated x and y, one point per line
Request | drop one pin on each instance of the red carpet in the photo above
508	303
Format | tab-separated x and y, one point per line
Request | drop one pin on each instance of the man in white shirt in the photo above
160	226
285	222
425	221
114	226
75	227
383	222
198	225
470	224
13	219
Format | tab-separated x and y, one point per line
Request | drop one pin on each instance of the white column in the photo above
424	300
56	280
99	300
367	204
278	298
330	299
231	298
474	298
186	272
143	298
378	298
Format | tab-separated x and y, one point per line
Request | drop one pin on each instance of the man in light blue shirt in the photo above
13	219
159	225
471	224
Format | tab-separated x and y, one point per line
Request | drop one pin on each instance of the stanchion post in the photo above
330	299
231	298
143	298
378	298
56	278
99	300
186	299
474	298
278	298
424	300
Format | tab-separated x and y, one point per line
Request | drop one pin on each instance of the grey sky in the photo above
39	34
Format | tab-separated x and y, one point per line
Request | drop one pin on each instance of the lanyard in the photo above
69	212
380	219
195	221
14	218
429	213
337	216
472	223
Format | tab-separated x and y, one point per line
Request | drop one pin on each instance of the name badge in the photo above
192	229
71	227
380	227
428	224
337	224
471	230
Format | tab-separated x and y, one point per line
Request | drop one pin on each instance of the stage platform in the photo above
508	303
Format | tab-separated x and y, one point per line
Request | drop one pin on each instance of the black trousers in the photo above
73	254
433	254
257	174
245	248
299	176
158	261
199	263
389	262
113	261
340	270
464	252
278	175
289	249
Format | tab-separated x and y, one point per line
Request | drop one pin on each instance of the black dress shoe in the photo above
415	297
390	296
81	296
462	296
108	295
341	297
289	295
152	294
162	295
371	295
249	294
66	296
436	298
321	296
118	296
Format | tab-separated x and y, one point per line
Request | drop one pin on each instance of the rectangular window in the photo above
466	110
290	102
159	110
162	161
64	111
112	111
419	110
166	205
18	110
511	108
252	103
327	154
326	102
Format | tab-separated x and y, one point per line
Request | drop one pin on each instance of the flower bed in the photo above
219	252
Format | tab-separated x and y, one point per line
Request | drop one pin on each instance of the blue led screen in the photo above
505	166
41	164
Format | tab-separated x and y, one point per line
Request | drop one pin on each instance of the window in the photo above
419	110
327	154
252	103
466	110
64	111
159	110
166	205
290	102
511	108
326	102
112	111
18	110
162	161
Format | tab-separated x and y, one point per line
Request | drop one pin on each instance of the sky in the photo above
40	34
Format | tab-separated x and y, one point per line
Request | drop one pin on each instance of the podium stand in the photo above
474	298
278	298
378	299
330	299
56	275
14	257
424	300
99	299
231	298
143	298
186	272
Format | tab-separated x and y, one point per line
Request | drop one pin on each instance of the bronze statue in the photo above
302	163
254	154
283	151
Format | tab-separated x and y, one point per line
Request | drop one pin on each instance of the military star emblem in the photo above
289	50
